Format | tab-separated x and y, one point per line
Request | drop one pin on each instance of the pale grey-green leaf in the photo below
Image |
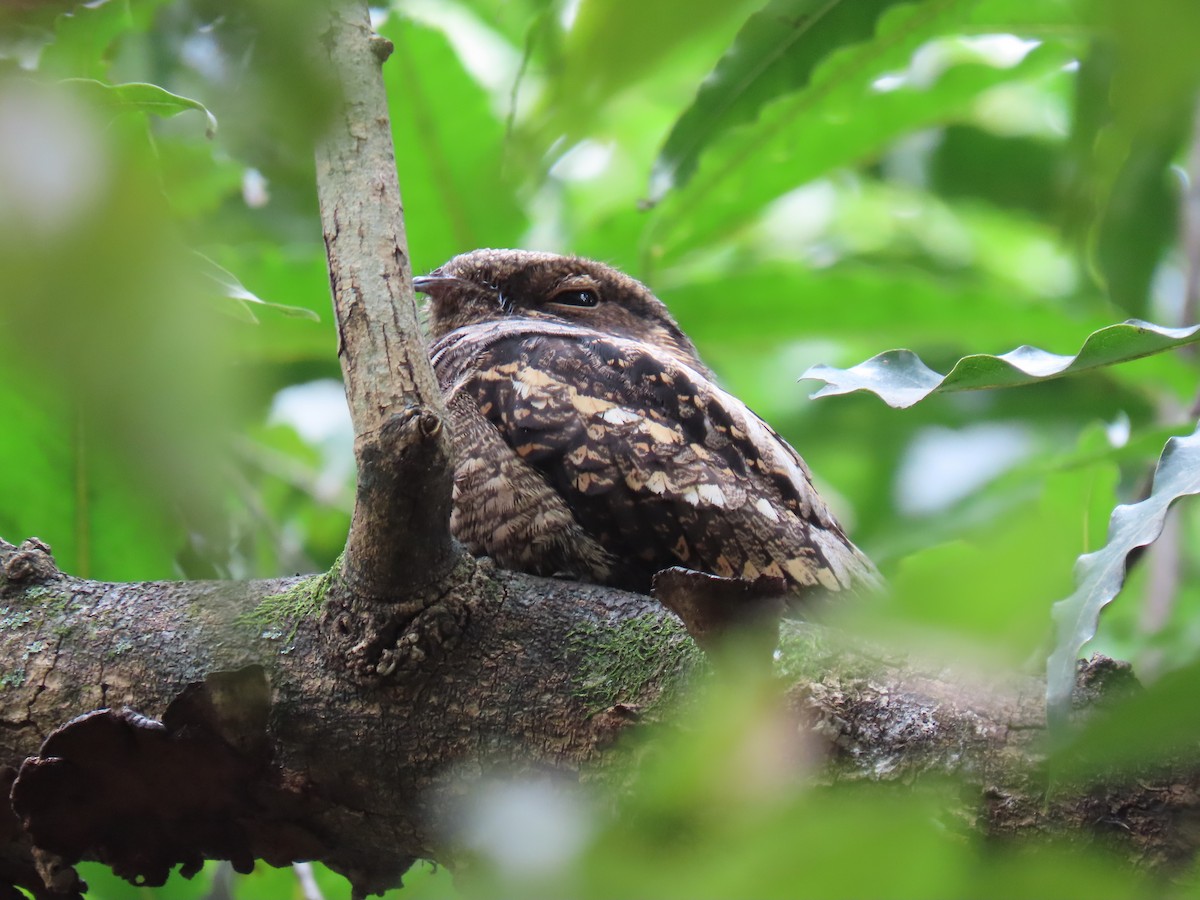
900	378
1100	575
139	96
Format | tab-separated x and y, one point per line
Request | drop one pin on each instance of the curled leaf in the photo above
901	379
141	97
1100	575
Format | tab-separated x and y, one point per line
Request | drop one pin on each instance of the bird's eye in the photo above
576	297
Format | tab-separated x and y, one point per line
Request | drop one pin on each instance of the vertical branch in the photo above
400	533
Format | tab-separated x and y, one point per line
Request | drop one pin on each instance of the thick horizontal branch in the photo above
359	772
354	764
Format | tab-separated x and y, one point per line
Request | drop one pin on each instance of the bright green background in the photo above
802	183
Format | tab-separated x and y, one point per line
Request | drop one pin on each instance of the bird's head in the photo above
486	285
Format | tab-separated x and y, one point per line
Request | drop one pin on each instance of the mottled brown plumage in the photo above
592	442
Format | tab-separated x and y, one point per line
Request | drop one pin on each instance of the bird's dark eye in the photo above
576	297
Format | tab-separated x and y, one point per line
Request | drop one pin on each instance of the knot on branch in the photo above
30	563
401	642
405	443
400	532
142	795
381	47
1102	682
716	610
432	635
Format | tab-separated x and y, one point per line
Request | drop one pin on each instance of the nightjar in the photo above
592	442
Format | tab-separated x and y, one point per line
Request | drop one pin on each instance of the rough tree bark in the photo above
337	717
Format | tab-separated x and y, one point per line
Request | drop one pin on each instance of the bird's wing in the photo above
503	507
656	462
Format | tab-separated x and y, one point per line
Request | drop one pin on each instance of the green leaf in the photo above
863	306
1045	17
1100	575
1014	567
900	378
1134	104
84	38
839	120
612	45
62	480
141	97
296	271
774	54
230	287
456	195
103	884
123	367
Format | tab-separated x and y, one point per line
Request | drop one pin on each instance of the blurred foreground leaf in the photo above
113	438
901	379
1144	729
1100	575
722	809
982	596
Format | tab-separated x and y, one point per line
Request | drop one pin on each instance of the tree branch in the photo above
288	761
355	775
400	532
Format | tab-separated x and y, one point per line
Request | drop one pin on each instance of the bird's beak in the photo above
433	284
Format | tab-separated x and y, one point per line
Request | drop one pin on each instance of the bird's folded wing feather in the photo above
657	462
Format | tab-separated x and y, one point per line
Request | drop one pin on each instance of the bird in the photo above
592	442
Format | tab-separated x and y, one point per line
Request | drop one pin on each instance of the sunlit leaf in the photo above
611	45
141	97
840	119
1099	575
774	54
900	378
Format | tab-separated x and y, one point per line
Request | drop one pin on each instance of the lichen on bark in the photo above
617	665
282	613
